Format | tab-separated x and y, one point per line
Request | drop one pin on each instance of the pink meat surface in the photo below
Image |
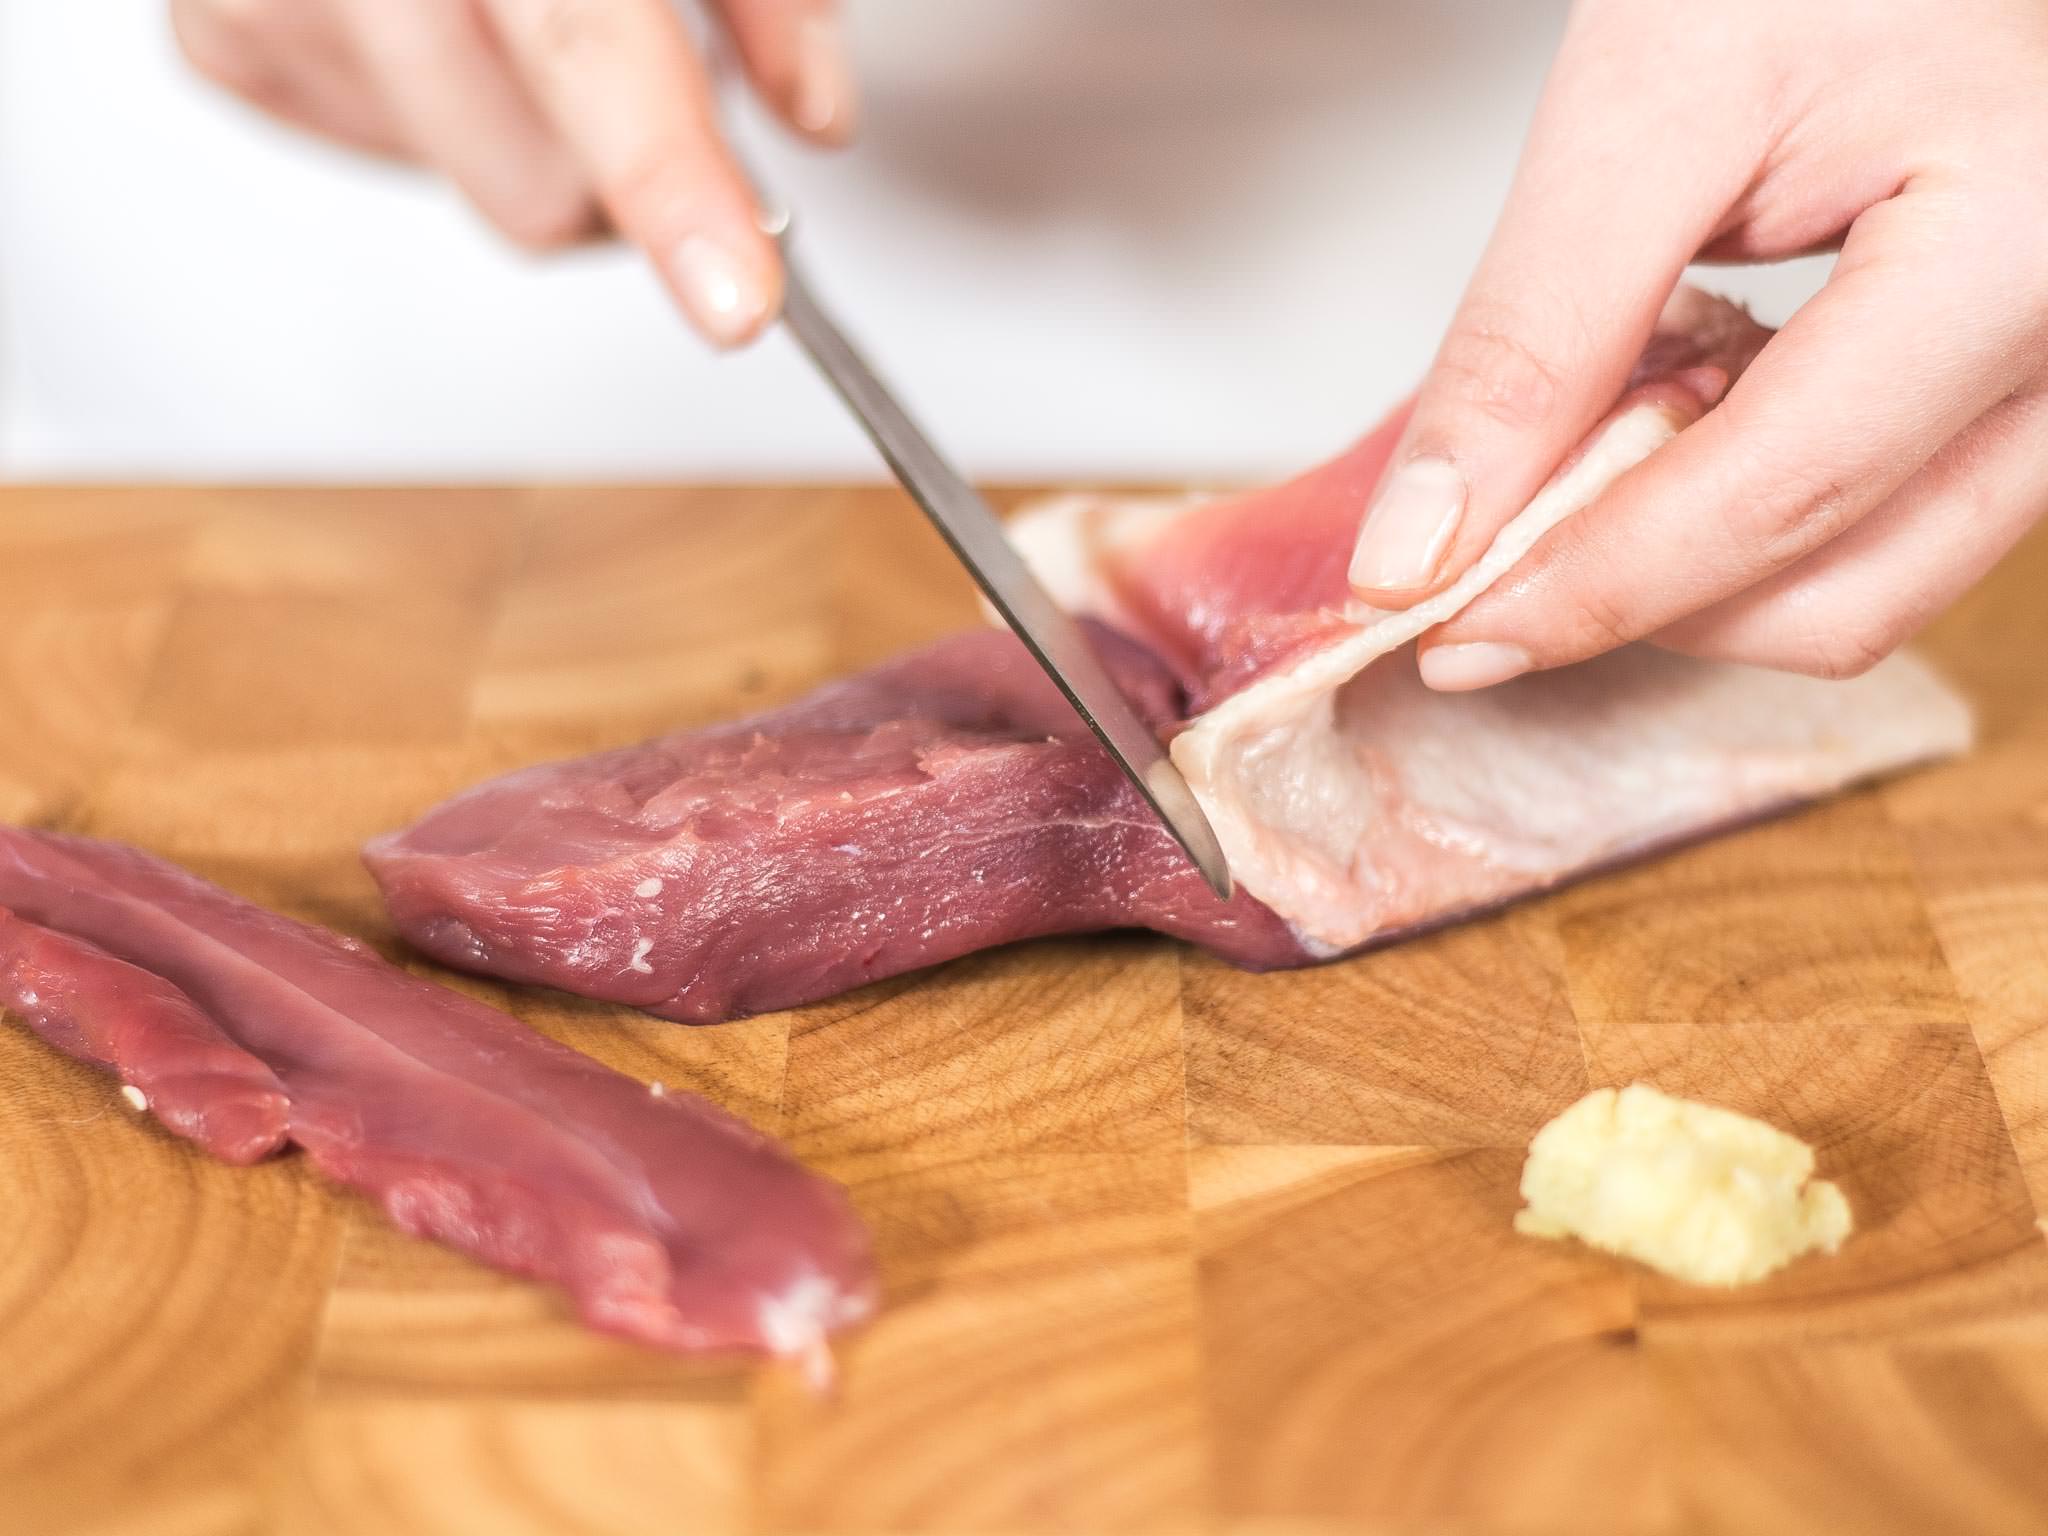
189	1071
949	801
665	1218
942	803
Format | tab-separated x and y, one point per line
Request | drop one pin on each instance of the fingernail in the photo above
1409	527
824	103
1475	664
722	293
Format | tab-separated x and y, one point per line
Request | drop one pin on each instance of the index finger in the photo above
1591	242
1918	333
627	92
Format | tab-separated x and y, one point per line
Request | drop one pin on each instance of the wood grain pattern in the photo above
1167	1248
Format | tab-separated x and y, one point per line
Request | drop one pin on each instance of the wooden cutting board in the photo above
1167	1248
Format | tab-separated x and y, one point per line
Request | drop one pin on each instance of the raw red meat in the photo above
190	1074
948	801
665	1218
939	804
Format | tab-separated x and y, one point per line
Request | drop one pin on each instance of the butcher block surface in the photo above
1166	1248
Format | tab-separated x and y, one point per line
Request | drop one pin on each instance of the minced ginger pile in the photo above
1702	1194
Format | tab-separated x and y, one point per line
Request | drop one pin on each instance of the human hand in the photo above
1889	444
555	118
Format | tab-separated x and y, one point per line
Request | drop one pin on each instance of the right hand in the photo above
558	119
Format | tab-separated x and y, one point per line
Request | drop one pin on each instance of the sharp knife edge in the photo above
967	523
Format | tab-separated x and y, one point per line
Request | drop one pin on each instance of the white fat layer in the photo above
651	886
1267	727
795	1322
136	1098
1067	542
1351	799
641	951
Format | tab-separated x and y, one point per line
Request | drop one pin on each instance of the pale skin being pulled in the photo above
1888	446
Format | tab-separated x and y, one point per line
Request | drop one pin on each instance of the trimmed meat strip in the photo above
949	800
942	803
191	1075
665	1218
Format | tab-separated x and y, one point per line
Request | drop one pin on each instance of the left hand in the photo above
1887	447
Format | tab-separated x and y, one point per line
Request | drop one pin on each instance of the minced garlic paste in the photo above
1703	1194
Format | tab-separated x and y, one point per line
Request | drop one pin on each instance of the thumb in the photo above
1597	229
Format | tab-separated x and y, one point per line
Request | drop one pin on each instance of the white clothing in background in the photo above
1088	238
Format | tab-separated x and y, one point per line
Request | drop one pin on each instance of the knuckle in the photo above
1487	366
1601	622
1848	648
643	187
546	220
566	27
1786	512
2039	267
220	40
250	19
657	192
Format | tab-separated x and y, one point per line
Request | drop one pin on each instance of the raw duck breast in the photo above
1358	803
949	800
666	1219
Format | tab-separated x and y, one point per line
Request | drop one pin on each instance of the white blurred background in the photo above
1087	238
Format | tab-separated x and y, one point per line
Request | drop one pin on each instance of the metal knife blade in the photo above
971	527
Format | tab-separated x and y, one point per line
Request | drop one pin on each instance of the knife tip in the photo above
1189	824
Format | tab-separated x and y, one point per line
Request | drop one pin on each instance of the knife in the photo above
968	524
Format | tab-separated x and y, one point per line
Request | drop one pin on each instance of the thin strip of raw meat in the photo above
149	1034
665	1218
949	801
